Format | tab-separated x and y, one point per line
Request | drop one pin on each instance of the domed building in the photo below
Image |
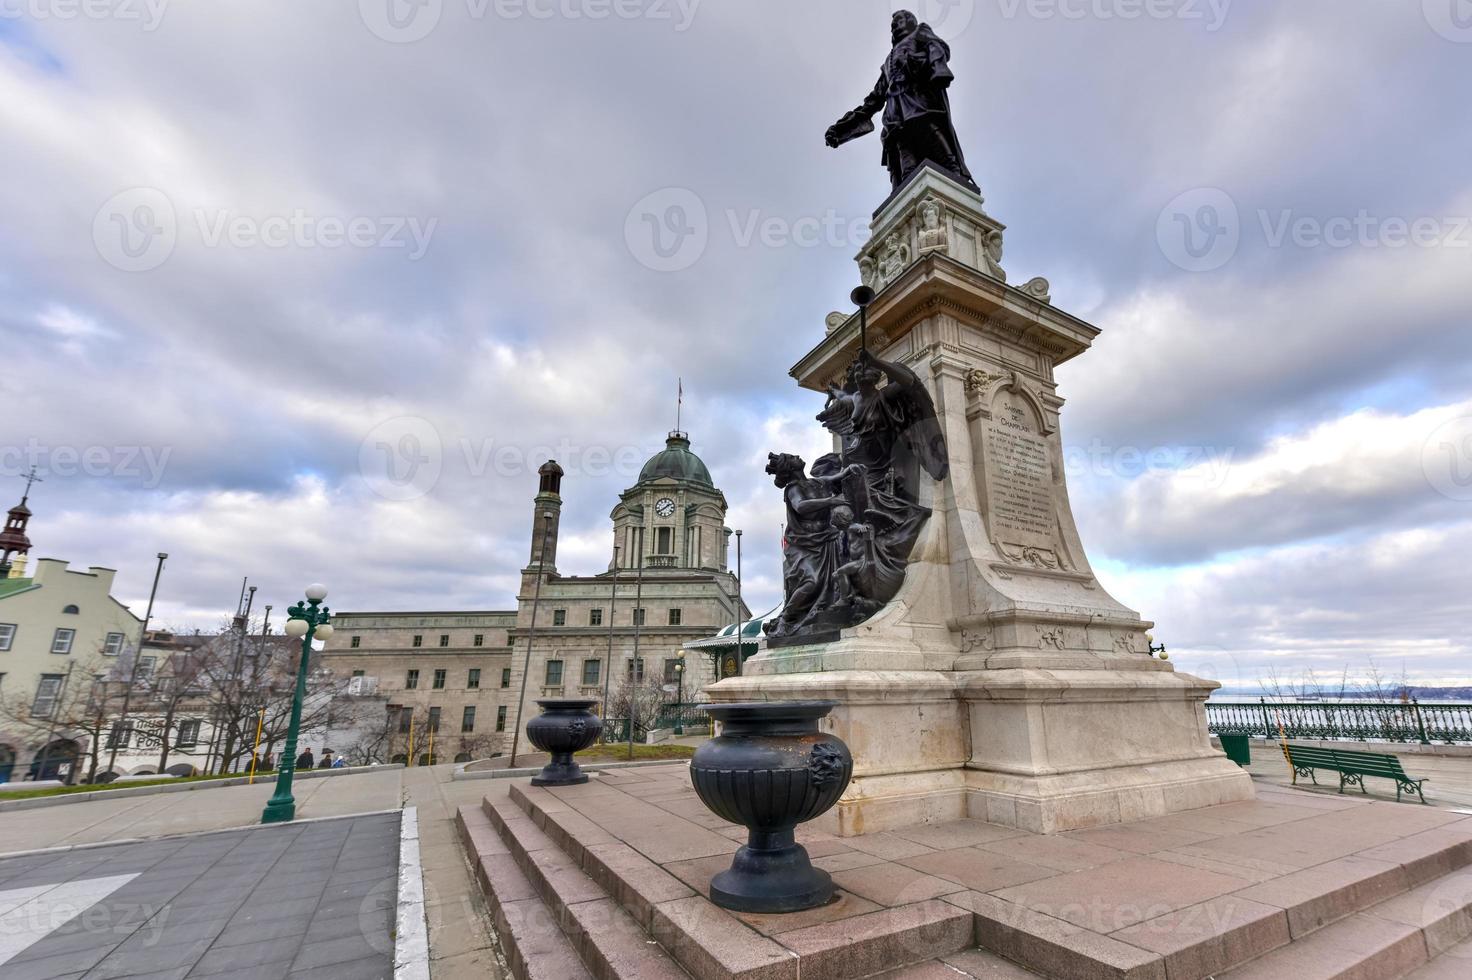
667	583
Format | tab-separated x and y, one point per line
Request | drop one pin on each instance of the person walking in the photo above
305	761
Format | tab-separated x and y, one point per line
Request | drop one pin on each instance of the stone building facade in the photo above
667	583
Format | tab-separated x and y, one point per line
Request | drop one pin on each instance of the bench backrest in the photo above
1370	763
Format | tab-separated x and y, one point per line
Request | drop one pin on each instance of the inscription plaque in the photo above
1021	509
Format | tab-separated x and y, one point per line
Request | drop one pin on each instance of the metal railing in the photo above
1360	721
685	715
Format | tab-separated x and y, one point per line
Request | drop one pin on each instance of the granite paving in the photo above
283	902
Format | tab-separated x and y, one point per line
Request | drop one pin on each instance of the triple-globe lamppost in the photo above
309	621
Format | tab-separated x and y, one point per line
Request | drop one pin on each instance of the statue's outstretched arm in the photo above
857	122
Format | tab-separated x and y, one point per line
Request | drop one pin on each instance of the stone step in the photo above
709	942
1389	940
1218	935
534	945
610	943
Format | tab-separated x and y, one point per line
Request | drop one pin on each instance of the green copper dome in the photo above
677	462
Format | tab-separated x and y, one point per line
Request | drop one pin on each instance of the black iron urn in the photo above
563	727
770	769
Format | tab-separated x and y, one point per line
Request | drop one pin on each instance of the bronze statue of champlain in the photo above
912	91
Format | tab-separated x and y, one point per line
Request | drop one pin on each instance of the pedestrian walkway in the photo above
460	942
303	901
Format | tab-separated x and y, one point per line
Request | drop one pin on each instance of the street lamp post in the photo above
680	697
112	759
309	622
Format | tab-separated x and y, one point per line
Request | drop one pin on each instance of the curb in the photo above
45	801
411	929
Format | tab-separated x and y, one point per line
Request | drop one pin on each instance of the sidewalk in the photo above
460	939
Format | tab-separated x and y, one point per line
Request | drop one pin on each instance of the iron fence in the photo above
1360	721
683	716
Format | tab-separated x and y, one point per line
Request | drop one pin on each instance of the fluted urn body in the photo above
771	769
563	727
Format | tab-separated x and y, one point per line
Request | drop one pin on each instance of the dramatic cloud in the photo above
308	290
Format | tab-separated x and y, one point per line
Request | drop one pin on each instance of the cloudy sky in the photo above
306	291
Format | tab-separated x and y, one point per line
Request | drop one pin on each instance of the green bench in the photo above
1352	767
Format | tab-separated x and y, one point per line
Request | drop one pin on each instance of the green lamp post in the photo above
309	622
680	697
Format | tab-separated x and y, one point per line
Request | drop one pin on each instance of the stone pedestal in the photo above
1002	683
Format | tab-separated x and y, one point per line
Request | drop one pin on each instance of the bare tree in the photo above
76	711
640	700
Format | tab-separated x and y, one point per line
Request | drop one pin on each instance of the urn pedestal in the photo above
1002	682
769	770
563	728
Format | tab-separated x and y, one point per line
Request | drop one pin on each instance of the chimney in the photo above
18	566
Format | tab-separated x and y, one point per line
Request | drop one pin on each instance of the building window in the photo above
358	673
145	667
638	617
434	719
7	635
48	689
113	645
554	673
592	672
467	720
406	720
120	736
675	615
62	641
472	680
356	642
444	639
480	639
595	617
664	538
71	611
559	617
411	680
636	671
418	640
439	680
671	675
188	735
501	718
505	676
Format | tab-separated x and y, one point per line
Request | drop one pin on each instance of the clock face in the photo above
664	507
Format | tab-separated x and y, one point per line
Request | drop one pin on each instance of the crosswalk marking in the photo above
28	915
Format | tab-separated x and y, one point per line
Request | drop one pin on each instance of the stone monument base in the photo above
1043	751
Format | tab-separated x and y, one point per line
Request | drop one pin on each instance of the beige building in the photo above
60	631
463	673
